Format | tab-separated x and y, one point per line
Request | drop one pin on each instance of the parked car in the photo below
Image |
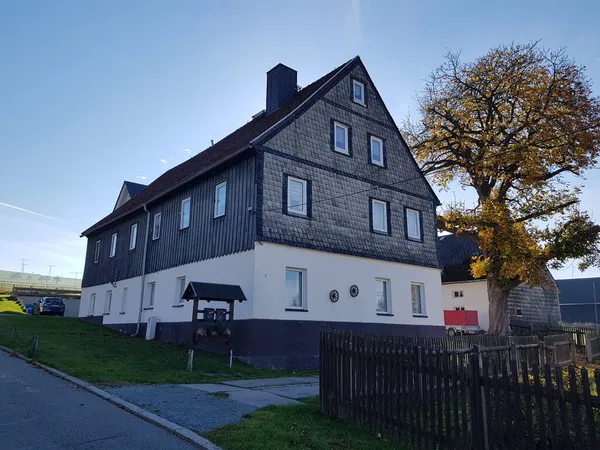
54	306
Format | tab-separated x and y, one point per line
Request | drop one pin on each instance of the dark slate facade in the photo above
207	237
342	185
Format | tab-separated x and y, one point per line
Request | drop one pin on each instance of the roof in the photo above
213	291
455	253
228	147
133	188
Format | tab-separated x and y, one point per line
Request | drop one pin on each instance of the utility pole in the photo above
23	264
50	266
75	273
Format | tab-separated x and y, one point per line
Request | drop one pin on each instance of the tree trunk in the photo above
498	298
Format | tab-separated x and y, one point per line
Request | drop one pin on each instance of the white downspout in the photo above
139	321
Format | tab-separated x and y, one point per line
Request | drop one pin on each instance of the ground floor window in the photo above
382	296
151	291
108	302
418	299
92	304
295	297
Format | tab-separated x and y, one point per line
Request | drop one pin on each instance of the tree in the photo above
519	125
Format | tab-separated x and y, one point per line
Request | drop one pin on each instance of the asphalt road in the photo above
40	411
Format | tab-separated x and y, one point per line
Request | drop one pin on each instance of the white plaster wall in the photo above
475	298
327	271
231	269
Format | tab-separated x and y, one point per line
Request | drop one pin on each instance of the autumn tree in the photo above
519	126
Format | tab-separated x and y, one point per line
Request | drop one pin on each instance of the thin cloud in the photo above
164	161
27	211
187	150
141	178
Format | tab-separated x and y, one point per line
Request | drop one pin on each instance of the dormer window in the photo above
358	92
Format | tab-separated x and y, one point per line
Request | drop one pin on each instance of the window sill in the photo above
219	216
381	233
296	309
298	215
106	314
146	308
420	316
414	240
384	314
122	312
381	166
344	153
155	238
181	305
356	102
90	315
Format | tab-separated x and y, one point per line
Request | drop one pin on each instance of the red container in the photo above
461	318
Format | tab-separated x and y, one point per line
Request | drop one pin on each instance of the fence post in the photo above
35	342
190	361
572	348
481	410
513	352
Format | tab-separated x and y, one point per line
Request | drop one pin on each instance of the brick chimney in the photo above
282	83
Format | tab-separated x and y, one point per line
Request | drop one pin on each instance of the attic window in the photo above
457	294
358	92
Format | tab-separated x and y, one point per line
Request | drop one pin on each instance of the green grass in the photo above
295	427
7	305
104	356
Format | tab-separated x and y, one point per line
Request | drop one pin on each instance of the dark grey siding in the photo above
341	185
207	237
125	264
535	303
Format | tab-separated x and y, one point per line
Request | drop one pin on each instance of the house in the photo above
579	300
315	208
461	291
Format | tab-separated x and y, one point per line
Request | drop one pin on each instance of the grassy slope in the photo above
7	305
104	356
294	427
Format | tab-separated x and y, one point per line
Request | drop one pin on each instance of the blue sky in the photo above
94	93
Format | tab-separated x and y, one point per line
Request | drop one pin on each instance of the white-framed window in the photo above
124	301
295	288
418	299
113	245
92	304
358	92
220	199
297	198
108	302
379	219
179	290
376	151
413	224
383	296
133	235
151	292
156	226
97	252
457	294
184	219
340	136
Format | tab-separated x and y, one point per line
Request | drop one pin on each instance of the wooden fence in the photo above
426	398
592	347
543	329
559	348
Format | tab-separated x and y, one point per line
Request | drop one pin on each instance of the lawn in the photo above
294	427
106	357
9	306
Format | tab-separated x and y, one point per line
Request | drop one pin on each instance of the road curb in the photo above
179	431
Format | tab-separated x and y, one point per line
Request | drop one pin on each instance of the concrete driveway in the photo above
40	411
203	407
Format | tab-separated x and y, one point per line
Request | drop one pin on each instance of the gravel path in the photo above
190	408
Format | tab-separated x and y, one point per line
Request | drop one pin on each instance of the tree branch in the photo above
545	212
